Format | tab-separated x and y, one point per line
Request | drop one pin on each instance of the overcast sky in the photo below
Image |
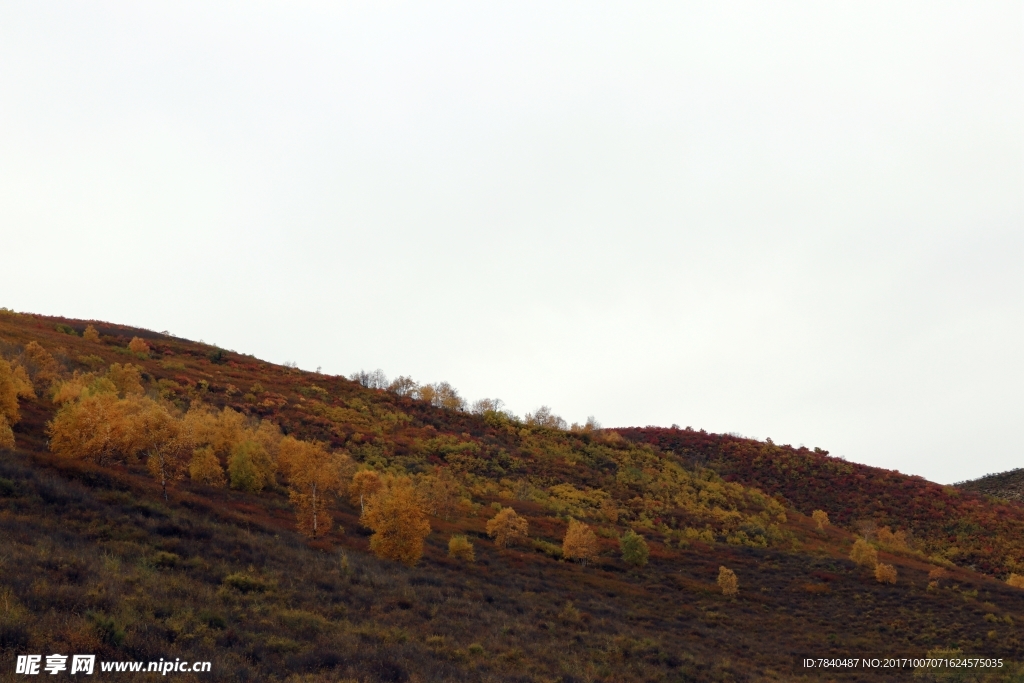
791	220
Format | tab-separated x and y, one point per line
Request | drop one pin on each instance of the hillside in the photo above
97	560
1005	485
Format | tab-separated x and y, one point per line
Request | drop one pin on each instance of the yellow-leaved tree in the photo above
314	477
728	582
169	445
204	467
103	428
461	548
863	553
398	522
90	334
440	493
250	466
507	528
13	384
42	366
139	346
580	542
820	518
219	437
127	378
365	483
885	573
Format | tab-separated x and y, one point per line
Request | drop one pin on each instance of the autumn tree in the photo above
90	334
250	466
885	573
728	582
365	483
398	522
403	386
9	412
543	417
820	518
580	542
127	378
864	554
460	548
894	540
103	428
1015	580
138	346
634	549
71	389
609	510
507	527
205	468
42	366
440	493
169	444
314	477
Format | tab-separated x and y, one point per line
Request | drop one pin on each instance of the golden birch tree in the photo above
365	483
507	528
580	542
314	477
399	523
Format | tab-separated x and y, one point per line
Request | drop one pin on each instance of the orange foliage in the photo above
127	378
90	334
885	573
365	483
314	477
103	428
863	553
205	468
507	528
8	394
580	543
728	582
820	518
460	548
137	345
42	361
398	522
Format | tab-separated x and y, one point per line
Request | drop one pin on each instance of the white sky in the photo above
796	220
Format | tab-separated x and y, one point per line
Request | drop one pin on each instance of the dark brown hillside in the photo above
1005	485
94	560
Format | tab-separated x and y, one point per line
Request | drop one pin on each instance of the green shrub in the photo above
246	583
634	549
213	620
106	628
165	559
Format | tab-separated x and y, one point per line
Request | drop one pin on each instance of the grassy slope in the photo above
95	562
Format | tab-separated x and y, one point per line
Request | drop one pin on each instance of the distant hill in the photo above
1006	485
93	558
